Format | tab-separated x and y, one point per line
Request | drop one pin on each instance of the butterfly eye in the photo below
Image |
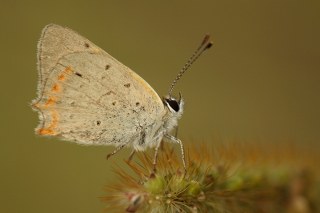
173	104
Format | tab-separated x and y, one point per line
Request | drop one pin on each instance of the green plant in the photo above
226	178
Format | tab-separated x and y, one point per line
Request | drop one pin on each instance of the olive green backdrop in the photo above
260	82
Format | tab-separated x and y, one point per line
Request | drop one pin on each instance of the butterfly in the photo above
88	97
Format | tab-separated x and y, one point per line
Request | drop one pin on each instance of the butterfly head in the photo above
174	106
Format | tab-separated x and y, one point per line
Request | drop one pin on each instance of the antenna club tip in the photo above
209	45
206	44
205	39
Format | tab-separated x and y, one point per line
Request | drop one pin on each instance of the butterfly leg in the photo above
131	156
155	157
118	148
176	140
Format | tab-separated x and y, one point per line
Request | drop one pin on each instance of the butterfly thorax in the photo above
151	135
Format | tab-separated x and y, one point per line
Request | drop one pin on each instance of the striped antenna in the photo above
205	44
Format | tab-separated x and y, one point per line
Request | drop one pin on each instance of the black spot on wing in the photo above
78	74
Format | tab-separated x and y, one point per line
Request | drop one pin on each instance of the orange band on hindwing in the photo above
50	129
62	75
51	101
56	88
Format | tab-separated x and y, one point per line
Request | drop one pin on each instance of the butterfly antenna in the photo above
205	44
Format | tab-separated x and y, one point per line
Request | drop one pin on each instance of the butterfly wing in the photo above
87	96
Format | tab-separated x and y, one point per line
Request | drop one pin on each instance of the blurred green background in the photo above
260	82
